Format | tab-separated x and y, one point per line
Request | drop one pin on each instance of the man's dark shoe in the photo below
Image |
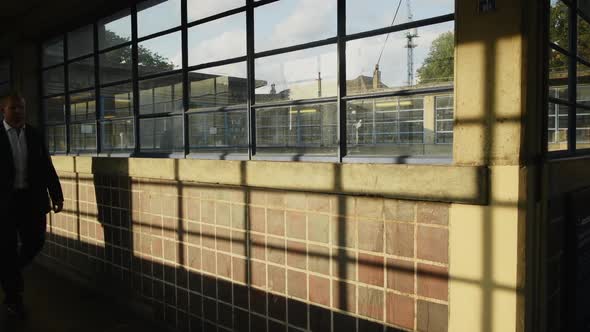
15	306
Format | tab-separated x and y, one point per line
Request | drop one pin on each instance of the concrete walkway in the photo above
59	305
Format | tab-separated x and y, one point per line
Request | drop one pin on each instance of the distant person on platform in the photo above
27	182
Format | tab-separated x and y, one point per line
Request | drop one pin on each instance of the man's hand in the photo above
58	206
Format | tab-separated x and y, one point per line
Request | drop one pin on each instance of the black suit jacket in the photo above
41	176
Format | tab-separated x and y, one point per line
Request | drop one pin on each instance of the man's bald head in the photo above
12	106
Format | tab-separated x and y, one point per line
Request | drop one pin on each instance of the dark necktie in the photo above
17	131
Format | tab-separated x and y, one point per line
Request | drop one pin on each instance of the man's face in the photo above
14	112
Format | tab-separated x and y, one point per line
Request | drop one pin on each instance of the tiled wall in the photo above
228	258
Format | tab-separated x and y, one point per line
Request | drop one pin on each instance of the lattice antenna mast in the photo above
410	45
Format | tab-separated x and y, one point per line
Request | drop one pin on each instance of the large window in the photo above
568	116
334	80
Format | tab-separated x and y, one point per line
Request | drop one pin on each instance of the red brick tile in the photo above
433	282
208	261
344	296
239	268
371	269
238	243
297	254
319	290
258	246
400	310
194	257
297	284
370	302
276	250
318	228
344	264
432	317
276	279
433	213
276	222
399	239
318	259
224	265
370	235
257	219
296	225
433	244
258	272
222	214
400	275
223	239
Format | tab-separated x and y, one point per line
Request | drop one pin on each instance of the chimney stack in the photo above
376	78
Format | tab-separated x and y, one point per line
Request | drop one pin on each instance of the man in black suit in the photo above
27	176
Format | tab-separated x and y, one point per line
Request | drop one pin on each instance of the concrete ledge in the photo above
445	183
578	175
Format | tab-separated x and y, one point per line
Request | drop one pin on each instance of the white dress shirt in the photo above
18	143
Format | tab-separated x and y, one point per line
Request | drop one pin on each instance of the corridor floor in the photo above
56	304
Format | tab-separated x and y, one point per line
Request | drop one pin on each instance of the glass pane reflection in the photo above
293	22
161	134
118	135
381	13
156	15
218	86
114	30
198	9
82	106
117	101
160	54
81	74
161	95
433	61
297	75
56	139
221	39
116	65
83	137
80	42
309	129
54	109
53	81
219	131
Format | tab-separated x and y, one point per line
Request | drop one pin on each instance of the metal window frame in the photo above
341	99
573	59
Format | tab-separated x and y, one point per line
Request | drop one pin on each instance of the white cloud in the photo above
229	44
198	9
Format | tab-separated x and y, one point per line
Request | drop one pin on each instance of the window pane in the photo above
114	30
198	9
582	129
558	24
583	84
218	86
160	54
157	15
53	81
81	74
395	126
557	127
292	22
118	135
56	139
309	129
221	39
433	61
83	137
583	38
82	106
116	65
80	42
117	101
161	95
444	120
53	52
380	14
161	134
54	109
297	75
219	131
558	73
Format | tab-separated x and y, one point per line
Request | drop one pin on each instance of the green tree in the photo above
147	59
439	64
558	34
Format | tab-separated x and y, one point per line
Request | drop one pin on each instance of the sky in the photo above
291	22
